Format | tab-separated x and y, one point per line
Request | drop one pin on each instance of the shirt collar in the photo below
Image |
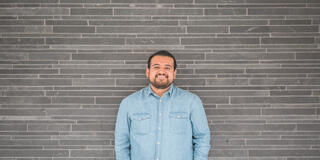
170	91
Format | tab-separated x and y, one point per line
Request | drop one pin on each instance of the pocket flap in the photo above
140	116
179	115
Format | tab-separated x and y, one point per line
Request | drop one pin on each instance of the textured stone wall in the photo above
66	64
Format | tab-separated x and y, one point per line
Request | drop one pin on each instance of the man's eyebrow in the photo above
155	65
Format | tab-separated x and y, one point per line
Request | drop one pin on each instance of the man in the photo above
161	121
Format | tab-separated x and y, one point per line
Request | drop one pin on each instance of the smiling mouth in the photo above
161	76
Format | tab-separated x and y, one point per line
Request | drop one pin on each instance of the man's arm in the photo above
122	136
200	131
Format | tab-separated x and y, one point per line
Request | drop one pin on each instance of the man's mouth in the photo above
161	76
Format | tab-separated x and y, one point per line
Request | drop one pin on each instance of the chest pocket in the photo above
178	122
140	123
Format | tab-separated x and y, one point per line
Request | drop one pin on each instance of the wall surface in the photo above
66	64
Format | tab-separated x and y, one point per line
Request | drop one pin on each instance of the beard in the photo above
161	84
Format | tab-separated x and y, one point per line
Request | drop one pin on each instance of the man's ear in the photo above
147	72
174	73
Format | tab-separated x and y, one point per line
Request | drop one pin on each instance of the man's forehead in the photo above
162	60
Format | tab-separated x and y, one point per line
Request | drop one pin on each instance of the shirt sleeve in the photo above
200	131
121	134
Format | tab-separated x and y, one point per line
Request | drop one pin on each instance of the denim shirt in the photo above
171	127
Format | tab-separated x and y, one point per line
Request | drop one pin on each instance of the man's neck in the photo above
158	91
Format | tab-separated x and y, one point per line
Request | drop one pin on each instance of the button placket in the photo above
159	127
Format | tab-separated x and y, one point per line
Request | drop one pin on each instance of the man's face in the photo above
161	73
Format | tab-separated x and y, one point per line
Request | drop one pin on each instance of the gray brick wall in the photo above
66	64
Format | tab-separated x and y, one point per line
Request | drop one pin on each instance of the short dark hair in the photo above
163	53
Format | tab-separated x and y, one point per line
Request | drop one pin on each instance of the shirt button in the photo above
159	128
160	100
158	142
159	114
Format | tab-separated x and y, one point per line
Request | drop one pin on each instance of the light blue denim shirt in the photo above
171	127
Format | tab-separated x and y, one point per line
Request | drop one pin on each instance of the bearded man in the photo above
162	121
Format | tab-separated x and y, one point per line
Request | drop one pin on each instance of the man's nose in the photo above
161	71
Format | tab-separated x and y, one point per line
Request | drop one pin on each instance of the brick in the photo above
130	82
223	22
249	56
280	70
155	11
94	82
250	1
29	1
17	41
21	22
268	29
202	41
290	22
106	56
225	11
288	111
108	100
25	100
85	112
228	153
308	56
229	93
88	93
66	22
90	11
289	100
34	153
84	71
93	127
73	29
13	127
253	127
43	56
84	142
216	71
13	56
136	30
285	81
283	11
227	81
84	1
218	111
282	152
151	1
133	23
191	82
23	93
49	127
215	100
283	93
84	41
92	153
308	127
38	29
73	100
288	40
152	41
28	71
35	82
205	29
34	11
22	112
